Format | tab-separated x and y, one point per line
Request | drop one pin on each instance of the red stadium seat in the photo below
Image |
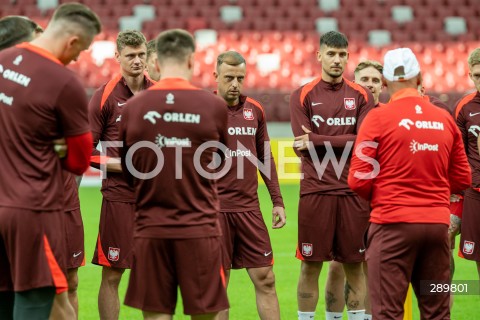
277	13
296	13
400	37
103	11
32	10
174	23
208	12
263	24
196	24
121	11
283	24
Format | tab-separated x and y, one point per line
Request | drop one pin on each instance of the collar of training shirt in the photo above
405	93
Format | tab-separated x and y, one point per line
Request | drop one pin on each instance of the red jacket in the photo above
420	157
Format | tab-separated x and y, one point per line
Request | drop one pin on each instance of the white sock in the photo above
367	317
356	314
305	315
333	315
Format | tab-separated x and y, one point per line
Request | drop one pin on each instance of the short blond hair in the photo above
369	63
474	58
130	38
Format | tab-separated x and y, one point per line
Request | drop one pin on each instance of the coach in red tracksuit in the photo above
409	158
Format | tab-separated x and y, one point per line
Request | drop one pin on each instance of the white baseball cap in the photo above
402	57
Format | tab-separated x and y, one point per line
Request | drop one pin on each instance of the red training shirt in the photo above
421	160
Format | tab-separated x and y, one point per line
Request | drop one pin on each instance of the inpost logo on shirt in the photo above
416	146
162	141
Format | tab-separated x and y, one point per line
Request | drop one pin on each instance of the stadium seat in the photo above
267	63
31	11
47	4
208	12
103	12
305	25
196	24
144	12
455	25
130	23
432	25
296	13
379	38
369	24
231	14
283	24
401	37
402	14
121	11
205	38
329	5
326	24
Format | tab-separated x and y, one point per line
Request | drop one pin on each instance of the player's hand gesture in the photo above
301	142
60	147
278	217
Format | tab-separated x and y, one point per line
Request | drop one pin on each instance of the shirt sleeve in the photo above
264	154
367	105
462	126
459	172
78	154
123	137
96	117
364	166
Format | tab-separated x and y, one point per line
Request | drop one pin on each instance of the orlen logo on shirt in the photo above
347	121
162	141
242	131
229	153
416	146
15	76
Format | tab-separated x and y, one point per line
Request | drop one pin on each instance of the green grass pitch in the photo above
241	292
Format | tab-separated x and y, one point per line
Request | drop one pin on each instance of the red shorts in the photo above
470	227
160	266
332	227
32	250
245	240
115	236
74	239
400	253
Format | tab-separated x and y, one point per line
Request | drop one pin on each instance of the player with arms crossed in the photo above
245	239
325	116
115	238
34	112
168	132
